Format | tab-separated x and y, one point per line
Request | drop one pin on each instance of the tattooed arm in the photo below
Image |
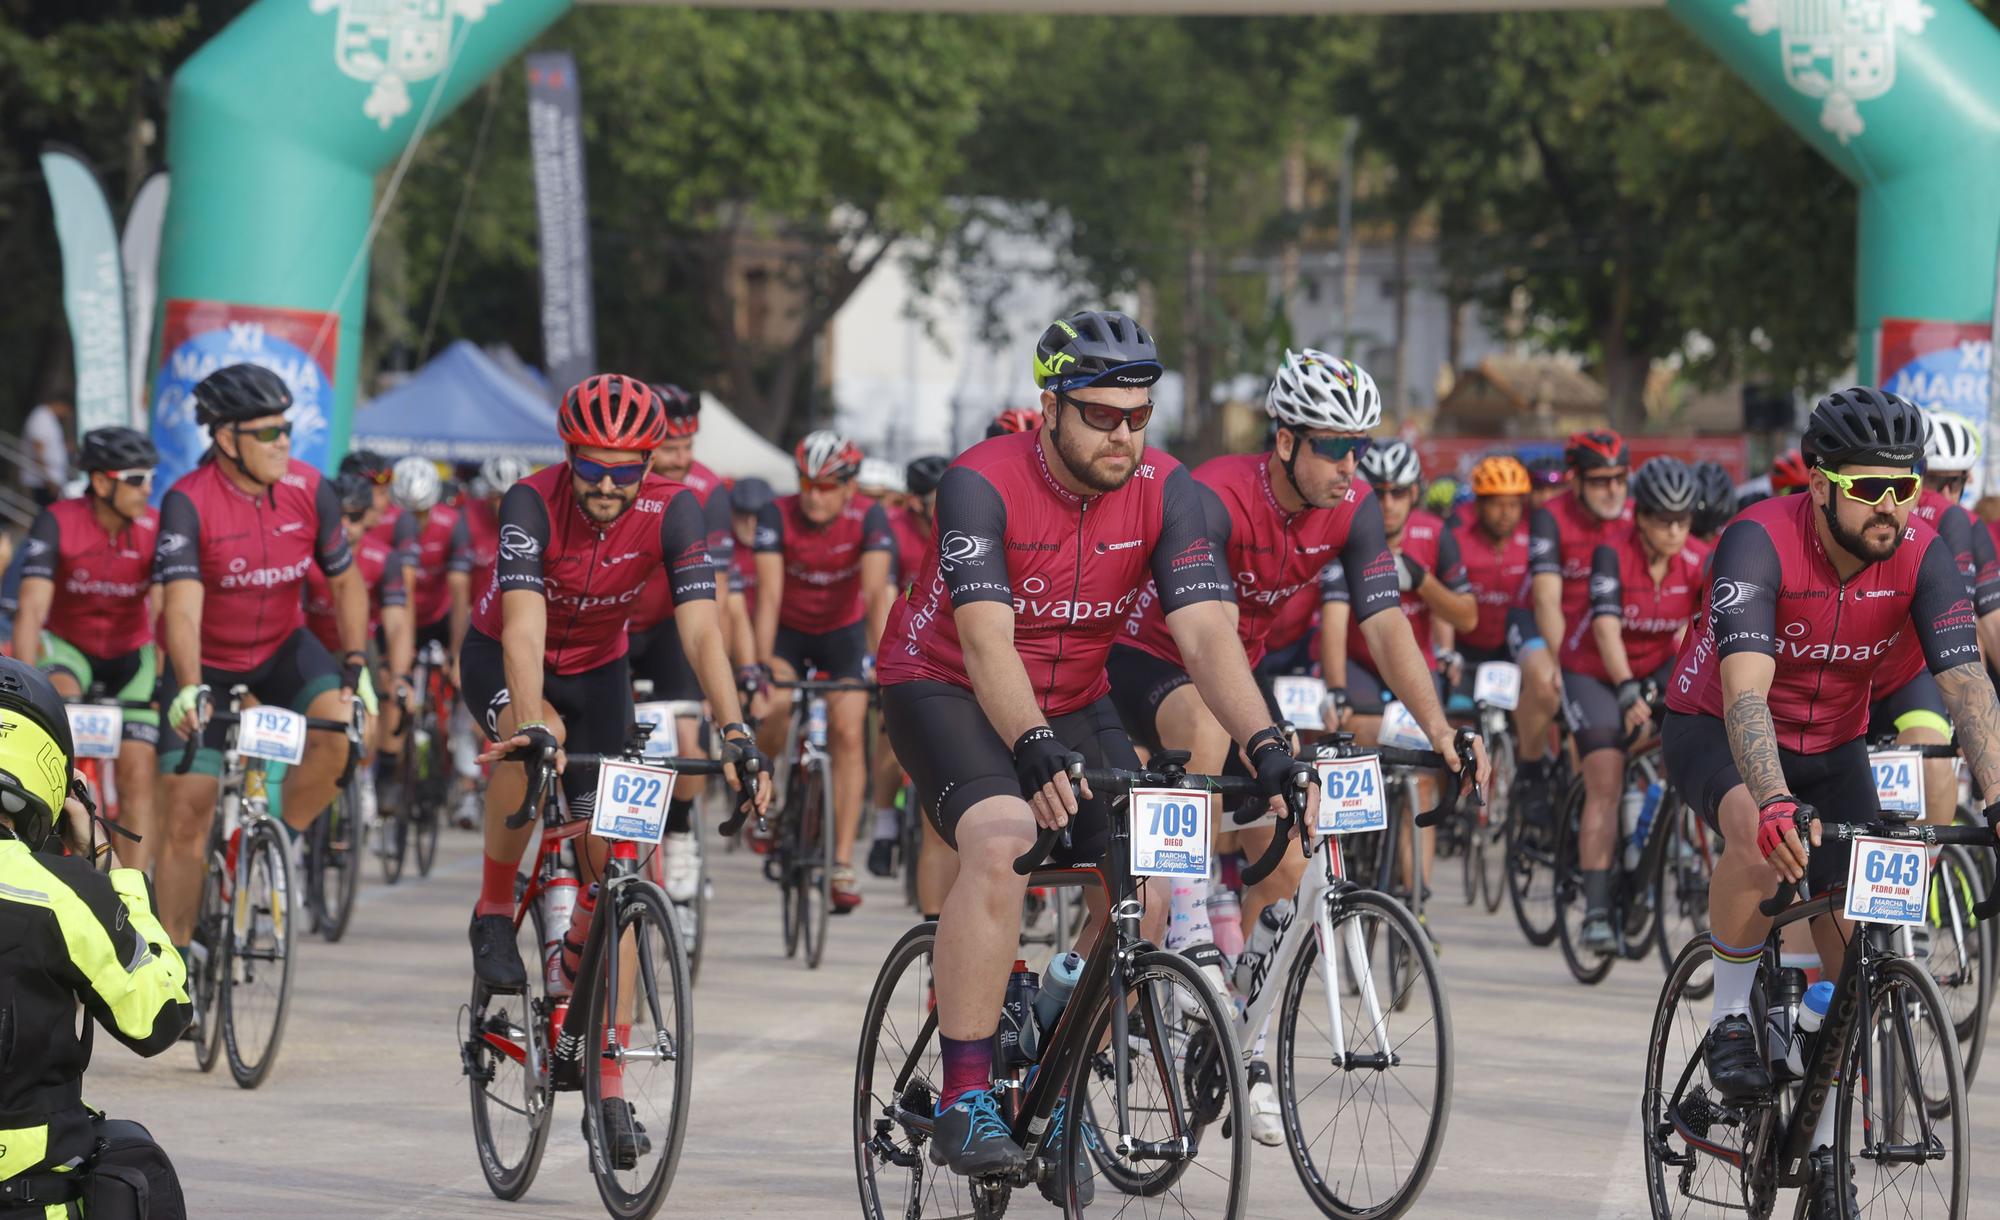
1746	714
1975	716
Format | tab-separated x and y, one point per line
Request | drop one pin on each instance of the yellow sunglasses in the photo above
1872	489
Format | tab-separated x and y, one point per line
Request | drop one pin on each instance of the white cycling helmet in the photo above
414	484
1954	444
500	473
1315	390
877	473
1391	464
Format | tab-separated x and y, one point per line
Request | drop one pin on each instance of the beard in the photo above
604	509
1084	469
1857	543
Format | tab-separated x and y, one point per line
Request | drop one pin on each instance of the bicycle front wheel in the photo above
1902	1121
1365	1059
1680	883
336	852
257	989
394	845
507	1071
1958	951
641	1027
433	785
1490	836
815	863
1531	879
1587	968
897	1075
1694	1140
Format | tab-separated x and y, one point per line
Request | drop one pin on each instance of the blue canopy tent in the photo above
461	407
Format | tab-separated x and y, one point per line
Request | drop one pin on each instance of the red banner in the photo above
1455	455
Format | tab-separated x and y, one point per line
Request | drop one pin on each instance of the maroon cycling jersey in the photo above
1651	614
433	549
101	579
746	578
251	553
482	526
1298	617
1497	574
822	562
1774	591
385	588
1070	566
655	604
592	576
1273	555
1563	537
913	537
1426	540
1972	552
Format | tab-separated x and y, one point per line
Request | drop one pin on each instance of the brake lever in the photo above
1045	839
542	770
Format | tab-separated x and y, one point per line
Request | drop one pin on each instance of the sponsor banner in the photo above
1940	366
555	140
93	290
199	337
1455	455
141	248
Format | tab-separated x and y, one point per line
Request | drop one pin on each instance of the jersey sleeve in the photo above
1745	579
718	515
460	556
394	588
42	551
524	536
1956	530
1187	565
177	549
971	531
684	542
1607	588
1369	567
1220	527
876	534
1544	544
1450	569
1941	611
1986	572
770	536
330	541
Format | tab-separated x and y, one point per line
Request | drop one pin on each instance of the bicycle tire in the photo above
262	854
212	928
1673	1047
643	914
1885	1077
699	938
507	1179
1568	893
1960	952
312	886
1419	967
1680	887
815	864
339	837
1530	869
395	844
427	804
787	851
1491	836
892	1167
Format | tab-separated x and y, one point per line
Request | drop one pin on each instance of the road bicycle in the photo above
424	774
801	858
692	913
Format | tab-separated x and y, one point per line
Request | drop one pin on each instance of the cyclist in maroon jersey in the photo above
237	536
88	601
1044	540
379	471
749	497
1644	587
910	525
482	514
1014	419
1548	477
823	596
1769	699
1715	504
1494	549
434	541
389	624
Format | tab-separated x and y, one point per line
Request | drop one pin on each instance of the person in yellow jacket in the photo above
71	934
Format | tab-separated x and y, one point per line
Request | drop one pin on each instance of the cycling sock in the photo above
496	888
1225	920
1596	890
679	821
968	1068
1187	915
611	1073
888	823
1735	973
930	916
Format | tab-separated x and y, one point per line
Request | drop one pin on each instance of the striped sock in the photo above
1735	972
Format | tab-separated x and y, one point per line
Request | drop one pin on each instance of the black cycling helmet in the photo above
1867	427
1096	347
1546	469
1715	497
367	463
683	409
923	475
238	392
355	489
751	495
1665	485
116	448
36	752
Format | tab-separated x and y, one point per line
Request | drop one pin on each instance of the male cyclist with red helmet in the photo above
993	668
1789	473
1014	419
822	598
545	664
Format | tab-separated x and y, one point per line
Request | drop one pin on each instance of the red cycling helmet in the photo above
683	409
826	456
1596	448
1014	419
1789	472
610	411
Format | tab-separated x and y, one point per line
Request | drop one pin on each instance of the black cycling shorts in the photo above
595	706
1140	683
956	760
438	632
657	658
1917	703
298	672
1590	708
1839	783
837	654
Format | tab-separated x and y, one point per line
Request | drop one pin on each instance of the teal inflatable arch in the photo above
282	122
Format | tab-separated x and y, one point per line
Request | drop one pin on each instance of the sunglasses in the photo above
1606	480
269	434
1339	448
355	516
822	484
1671	520
1106	418
621	474
131	478
1383	492
380	478
1872	489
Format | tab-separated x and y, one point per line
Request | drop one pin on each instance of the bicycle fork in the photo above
1352	946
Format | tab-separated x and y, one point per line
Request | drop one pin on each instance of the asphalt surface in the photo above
366	1114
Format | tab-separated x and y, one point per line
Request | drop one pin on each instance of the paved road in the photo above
365	1114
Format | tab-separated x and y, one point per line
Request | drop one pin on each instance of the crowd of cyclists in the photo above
1060	596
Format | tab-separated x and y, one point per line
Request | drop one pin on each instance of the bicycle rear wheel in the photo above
1588	969
336	853
394	845
507	1071
783	861
1902	1117
1490	838
212	937
641	1028
1365	1115
257	990
1530	869
898	1072
1960	951
1694	1141
433	785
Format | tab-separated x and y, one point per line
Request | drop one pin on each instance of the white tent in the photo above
731	449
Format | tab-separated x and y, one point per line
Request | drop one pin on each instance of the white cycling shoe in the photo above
1267	1121
682	866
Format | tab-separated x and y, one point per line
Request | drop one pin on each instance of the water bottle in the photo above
1812	1014
1020	1042
1058	981
1636	845
558	906
579	931
1628	821
816	722
1225	920
1251	965
1786	988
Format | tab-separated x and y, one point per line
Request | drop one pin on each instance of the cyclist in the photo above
379	472
1789	473
1014	419
881	481
1494	549
237	536
823	596
910	525
1045	539
1644	587
482	513
749	497
1548	477
434	541
1715	502
382	572
1769	699
87	568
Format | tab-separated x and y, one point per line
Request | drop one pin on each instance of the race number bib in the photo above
1899	781
1169	832
1885	882
1300	700
277	734
631	802
1399	728
664	740
1350	799
1497	684
96	730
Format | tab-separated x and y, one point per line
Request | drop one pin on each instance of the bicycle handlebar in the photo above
822	685
1923	749
541	768
1906	832
315	724
1169	775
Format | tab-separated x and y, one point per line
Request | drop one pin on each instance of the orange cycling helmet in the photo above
1789	472
1499	475
610	411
